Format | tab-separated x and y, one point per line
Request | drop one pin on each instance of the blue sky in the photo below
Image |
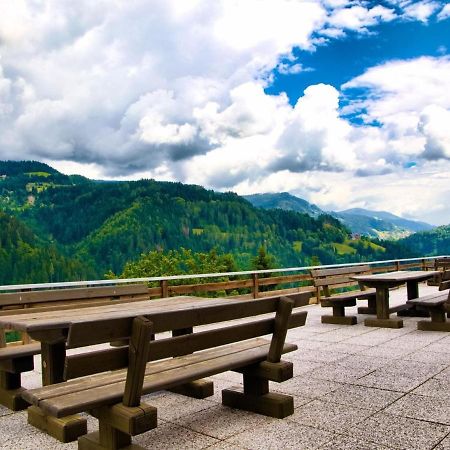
340	60
345	103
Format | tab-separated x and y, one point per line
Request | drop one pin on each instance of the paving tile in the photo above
224	445
282	434
365	362
434	387
363	397
431	409
302	367
342	347
170	435
322	356
387	352
444	444
16	434
306	387
222	422
441	346
428	356
414	368
351	443
173	406
329	416
340	372
400	432
382	379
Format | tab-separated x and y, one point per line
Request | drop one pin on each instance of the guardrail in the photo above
255	281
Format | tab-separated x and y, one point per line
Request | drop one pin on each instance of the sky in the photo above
343	103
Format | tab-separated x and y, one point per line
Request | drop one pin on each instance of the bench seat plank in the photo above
87	396
429	300
351	295
19	351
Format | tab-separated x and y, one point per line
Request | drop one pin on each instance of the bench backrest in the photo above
445	281
18	299
328	279
442	263
183	340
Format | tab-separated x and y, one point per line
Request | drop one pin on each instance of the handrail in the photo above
67	284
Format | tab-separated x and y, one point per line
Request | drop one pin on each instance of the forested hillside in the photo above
107	224
26	259
435	242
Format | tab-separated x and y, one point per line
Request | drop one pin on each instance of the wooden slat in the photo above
100	379
339	271
87	399
18	351
137	359
207	287
431	299
116	358
281	325
71	294
95	331
334	281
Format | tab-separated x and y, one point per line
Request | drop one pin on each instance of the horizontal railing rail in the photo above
245	284
376	266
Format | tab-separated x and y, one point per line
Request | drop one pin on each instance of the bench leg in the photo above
371	307
339	317
255	397
438	321
11	391
65	429
116	425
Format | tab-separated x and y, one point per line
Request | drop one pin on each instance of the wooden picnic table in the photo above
382	282
52	329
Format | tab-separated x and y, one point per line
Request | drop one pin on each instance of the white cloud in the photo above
444	13
175	90
421	10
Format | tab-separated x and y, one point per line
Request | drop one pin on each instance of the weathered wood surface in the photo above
84	395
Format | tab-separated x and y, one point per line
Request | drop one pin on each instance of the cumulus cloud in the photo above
444	13
176	90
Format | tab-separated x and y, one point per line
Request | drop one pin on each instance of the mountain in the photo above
435	242
284	200
380	224
25	258
376	224
106	225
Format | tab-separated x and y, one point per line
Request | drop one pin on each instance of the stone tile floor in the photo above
354	387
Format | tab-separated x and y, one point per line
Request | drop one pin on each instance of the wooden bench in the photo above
16	359
327	280
441	264
177	363
437	305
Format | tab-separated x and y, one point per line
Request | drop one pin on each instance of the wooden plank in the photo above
206	287
102	379
137	359
284	279
335	281
116	358
94	331
18	351
339	271
88	399
281	325
71	294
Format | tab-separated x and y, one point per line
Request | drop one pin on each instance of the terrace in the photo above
354	387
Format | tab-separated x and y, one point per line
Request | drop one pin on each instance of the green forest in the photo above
62	228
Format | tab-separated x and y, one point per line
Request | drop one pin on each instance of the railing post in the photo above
397	265
164	288
423	265
255	288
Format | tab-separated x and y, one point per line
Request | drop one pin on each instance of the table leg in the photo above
383	319
198	388
412	288
65	429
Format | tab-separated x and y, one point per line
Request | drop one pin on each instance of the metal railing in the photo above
250	279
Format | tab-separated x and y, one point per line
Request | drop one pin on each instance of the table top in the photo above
46	320
400	276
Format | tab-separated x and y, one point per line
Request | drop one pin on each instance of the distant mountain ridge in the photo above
378	224
284	200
